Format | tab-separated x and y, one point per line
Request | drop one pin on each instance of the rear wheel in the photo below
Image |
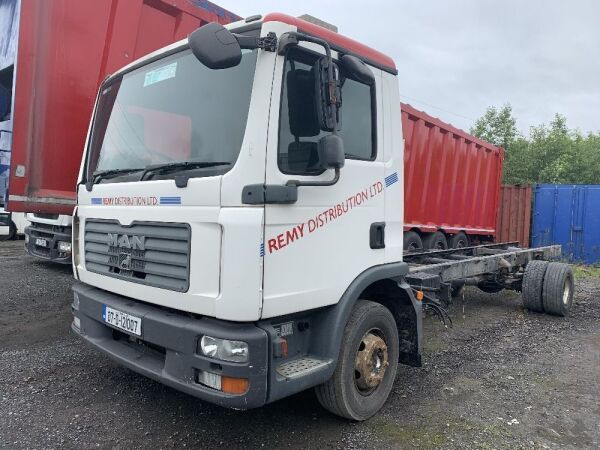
367	364
435	241
412	242
557	293
531	289
459	240
8	232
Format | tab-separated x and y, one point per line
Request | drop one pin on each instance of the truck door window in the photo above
299	130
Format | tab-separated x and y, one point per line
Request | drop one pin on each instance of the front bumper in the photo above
52	235
167	349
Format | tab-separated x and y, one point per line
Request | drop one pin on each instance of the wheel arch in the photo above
383	284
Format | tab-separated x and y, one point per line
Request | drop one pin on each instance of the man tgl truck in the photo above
238	233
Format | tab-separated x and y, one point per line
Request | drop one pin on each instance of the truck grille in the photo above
155	254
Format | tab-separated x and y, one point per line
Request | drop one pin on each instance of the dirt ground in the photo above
500	378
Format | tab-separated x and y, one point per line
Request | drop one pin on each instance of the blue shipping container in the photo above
568	215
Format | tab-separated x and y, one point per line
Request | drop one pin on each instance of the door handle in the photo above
377	235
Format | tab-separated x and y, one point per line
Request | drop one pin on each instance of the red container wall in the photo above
514	214
451	179
66	48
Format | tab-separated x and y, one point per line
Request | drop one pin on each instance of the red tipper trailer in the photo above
65	49
451	179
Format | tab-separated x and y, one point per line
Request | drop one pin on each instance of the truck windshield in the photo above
170	111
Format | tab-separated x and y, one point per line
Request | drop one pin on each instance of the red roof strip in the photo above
334	38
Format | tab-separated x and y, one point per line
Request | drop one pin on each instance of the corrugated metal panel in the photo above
451	178
568	215
514	214
66	48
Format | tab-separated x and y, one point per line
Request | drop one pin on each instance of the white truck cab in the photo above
238	233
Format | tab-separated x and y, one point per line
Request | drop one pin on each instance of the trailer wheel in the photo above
531	288
558	289
435	241
459	240
367	364
412	242
8	232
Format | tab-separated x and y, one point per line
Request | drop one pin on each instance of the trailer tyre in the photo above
558	289
533	281
459	240
367	364
412	242
11	231
435	241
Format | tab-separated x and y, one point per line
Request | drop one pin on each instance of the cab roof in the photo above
337	41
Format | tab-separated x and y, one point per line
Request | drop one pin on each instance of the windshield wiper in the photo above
181	165
98	175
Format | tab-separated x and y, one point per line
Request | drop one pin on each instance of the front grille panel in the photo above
155	254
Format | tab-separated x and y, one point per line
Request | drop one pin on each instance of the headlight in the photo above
64	247
235	351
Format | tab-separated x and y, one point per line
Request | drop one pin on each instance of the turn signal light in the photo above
231	385
420	295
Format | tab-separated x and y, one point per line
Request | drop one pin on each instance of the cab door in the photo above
315	247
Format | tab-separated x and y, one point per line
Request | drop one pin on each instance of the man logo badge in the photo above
124	249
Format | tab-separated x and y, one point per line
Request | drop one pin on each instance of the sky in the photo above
455	58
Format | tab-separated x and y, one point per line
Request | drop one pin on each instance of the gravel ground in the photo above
500	378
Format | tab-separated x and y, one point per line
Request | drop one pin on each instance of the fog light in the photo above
224	349
75	300
26	238
77	322
64	247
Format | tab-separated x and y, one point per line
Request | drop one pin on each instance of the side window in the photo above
299	130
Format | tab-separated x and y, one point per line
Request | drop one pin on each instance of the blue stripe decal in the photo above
170	200
391	179
96	201
261	250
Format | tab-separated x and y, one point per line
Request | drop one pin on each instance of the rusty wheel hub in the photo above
371	362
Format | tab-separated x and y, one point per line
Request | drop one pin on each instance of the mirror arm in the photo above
316	183
268	43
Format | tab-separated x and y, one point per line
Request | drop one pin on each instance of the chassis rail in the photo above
470	262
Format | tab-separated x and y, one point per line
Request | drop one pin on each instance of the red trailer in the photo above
451	184
65	49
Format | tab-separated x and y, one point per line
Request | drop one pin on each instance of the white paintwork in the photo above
19	219
229	278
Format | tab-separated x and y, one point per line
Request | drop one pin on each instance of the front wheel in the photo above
367	364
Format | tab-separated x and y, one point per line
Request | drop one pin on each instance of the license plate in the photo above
122	321
41	242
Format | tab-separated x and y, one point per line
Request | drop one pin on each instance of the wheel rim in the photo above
461	244
371	362
412	247
439	246
566	292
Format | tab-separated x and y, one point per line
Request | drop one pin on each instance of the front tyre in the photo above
367	364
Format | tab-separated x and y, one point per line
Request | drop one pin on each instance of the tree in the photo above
550	154
497	126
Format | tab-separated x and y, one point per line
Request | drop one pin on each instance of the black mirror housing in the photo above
358	69
328	94
331	152
215	46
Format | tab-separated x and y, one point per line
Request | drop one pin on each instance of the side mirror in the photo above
331	152
215	46
358	69
328	93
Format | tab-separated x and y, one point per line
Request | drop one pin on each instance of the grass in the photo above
582	271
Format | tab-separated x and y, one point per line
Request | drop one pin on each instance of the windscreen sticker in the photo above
135	201
160	74
327	216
